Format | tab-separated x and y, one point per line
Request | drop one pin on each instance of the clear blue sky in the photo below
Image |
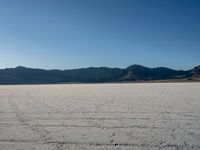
67	34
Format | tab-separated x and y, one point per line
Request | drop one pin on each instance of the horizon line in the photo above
95	67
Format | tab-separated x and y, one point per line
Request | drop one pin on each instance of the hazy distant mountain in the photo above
23	75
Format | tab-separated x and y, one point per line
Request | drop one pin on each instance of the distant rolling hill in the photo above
23	75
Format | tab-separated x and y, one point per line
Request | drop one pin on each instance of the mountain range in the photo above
133	73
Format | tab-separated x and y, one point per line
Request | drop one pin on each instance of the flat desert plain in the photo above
147	116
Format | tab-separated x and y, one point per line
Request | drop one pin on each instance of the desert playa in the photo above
140	116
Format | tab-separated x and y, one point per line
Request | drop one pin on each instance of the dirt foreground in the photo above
149	116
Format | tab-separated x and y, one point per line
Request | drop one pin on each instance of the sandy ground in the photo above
148	116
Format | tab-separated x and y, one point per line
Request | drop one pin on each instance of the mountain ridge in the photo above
25	75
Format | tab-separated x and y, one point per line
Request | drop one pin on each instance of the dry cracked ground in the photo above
148	116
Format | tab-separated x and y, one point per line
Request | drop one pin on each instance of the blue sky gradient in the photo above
67	34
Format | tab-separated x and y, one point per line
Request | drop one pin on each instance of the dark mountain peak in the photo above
137	67
196	71
197	67
20	67
138	72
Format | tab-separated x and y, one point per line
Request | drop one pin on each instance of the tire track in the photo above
59	144
43	134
